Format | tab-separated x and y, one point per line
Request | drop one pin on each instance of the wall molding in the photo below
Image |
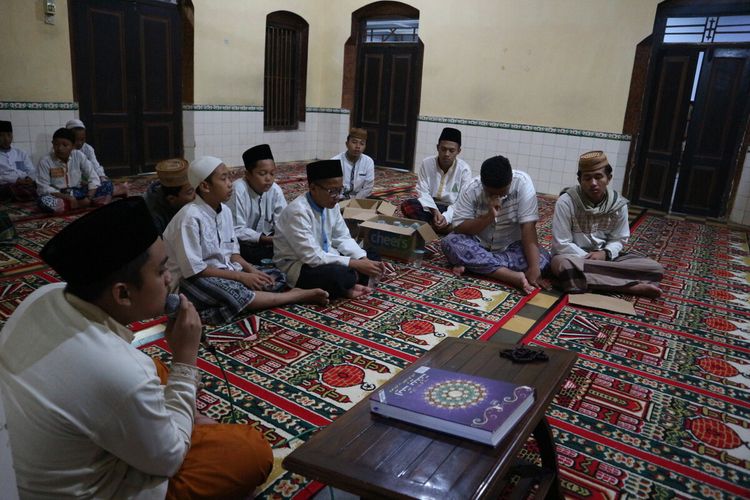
255	109
525	127
38	106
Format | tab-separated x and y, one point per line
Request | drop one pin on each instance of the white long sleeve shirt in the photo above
54	175
575	233
435	185
255	214
359	178
306	235
519	207
15	164
87	416
198	237
88	151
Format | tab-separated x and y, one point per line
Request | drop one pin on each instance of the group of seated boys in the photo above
90	415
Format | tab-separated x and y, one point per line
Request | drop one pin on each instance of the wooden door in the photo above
665	129
718	118
127	78
388	101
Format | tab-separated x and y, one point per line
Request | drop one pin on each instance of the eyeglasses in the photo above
332	191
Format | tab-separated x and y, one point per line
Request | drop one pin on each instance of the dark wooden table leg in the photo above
543	435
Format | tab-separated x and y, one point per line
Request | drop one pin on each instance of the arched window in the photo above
285	74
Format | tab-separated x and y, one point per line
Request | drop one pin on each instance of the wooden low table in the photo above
373	456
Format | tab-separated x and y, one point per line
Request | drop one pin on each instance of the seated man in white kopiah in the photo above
589	229
88	414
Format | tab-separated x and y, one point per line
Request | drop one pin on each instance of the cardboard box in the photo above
396	242
356	211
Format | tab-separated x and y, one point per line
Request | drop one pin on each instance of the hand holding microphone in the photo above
183	332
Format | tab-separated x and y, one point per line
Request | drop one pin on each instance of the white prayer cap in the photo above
201	168
75	123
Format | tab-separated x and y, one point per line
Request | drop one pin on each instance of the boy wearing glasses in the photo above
312	244
256	203
495	228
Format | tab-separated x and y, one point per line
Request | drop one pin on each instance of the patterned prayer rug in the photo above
650	412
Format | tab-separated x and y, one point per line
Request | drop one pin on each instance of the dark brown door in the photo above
388	101
714	135
665	129
127	76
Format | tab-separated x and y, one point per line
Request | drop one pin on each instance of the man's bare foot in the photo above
458	270
519	281
358	291
644	289
312	296
121	190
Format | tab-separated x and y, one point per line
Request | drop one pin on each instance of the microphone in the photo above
172	305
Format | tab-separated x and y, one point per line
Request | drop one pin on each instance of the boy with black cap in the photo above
89	414
440	180
17	173
312	243
66	180
167	195
357	167
204	254
590	228
495	227
256	203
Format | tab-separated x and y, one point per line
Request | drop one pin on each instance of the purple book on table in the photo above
469	406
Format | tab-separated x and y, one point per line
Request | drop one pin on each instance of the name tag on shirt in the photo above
57	172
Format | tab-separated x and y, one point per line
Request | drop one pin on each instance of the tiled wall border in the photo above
525	127
35	106
240	107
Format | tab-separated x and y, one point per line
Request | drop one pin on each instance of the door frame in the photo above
350	94
644	70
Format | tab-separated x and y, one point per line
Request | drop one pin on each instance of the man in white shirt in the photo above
589	230
256	203
204	254
495	228
17	173
312	243
357	167
119	189
440	180
88	414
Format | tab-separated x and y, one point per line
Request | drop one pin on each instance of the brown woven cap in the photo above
358	133
172	172
593	160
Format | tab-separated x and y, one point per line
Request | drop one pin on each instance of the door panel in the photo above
388	101
720	111
127	70
667	118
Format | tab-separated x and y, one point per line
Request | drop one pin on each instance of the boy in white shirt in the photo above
256	203
495	228
357	167
17	173
204	254
439	181
66	180
79	133
312	243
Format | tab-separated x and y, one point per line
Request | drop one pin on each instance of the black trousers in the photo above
255	253
335	279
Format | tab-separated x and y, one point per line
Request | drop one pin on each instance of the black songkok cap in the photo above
6	126
496	172
255	154
64	133
101	242
450	134
324	169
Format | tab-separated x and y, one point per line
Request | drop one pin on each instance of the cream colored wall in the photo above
35	57
562	63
